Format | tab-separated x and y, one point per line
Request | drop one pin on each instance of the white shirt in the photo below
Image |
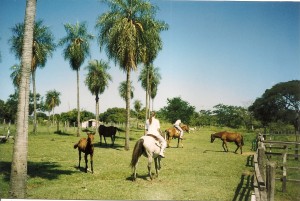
153	127
177	123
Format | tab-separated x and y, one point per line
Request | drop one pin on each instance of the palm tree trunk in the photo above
128	98
97	113
34	102
78	106
147	95
18	176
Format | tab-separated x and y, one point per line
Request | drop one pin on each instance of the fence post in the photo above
271	180
297	146
284	157
261	161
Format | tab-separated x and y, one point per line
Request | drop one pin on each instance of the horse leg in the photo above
149	166
92	168
156	165
112	140
178	142
181	143
86	162
105	140
79	154
224	145
100	139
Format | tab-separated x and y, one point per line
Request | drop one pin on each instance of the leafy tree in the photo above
280	103
230	116
42	47
18	176
125	33
97	80
178	109
77	48
115	115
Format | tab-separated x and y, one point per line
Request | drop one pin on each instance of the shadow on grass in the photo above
45	170
244	188
205	151
63	133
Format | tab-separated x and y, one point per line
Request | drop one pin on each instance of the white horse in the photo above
148	146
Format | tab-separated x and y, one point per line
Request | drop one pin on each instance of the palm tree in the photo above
16	75
43	46
52	100
97	80
137	107
77	49
150	79
123	90
18	175
123	31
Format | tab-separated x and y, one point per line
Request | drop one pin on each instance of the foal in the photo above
86	146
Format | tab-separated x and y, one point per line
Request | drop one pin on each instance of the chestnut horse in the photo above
149	147
86	146
175	133
229	137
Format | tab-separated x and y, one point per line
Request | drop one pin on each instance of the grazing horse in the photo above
175	133
108	131
149	147
86	146
229	137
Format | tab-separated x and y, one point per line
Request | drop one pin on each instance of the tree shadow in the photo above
45	170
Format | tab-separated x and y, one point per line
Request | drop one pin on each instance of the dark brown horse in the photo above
175	133
108	131
86	146
229	137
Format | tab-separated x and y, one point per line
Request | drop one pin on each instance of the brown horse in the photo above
86	146
108	131
229	137
175	133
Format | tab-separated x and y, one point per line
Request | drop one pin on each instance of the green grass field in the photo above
199	171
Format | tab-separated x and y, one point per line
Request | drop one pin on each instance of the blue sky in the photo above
214	52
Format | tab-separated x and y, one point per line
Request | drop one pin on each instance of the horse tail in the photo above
242	141
75	145
137	152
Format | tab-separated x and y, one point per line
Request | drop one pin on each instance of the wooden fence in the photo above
265	169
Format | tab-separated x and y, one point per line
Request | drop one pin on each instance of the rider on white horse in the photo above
152	126
177	125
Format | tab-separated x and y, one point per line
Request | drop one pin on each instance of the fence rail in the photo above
264	180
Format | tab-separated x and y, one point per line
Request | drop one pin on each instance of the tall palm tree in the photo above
52	100
97	80
150	79
123	32
42	47
123	90
18	176
77	49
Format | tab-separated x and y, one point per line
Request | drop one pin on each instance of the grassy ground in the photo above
199	171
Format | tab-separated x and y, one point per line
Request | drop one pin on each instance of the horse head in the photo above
212	138
185	128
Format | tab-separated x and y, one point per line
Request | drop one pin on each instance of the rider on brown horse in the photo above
177	126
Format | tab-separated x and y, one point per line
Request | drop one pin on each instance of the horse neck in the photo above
217	135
